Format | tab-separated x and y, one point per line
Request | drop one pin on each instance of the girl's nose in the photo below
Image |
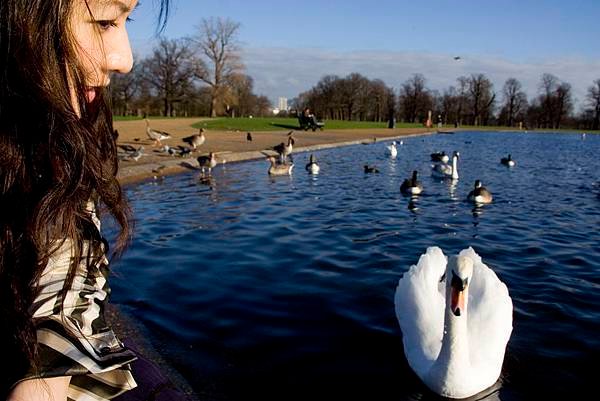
119	57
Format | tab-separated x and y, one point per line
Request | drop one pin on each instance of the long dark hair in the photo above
54	158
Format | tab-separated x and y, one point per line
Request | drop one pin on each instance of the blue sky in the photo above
289	45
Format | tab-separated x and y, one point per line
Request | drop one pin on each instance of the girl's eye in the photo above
106	24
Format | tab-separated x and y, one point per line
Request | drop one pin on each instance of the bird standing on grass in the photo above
155	134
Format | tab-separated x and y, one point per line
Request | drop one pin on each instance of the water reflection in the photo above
477	210
208	181
452	184
413	204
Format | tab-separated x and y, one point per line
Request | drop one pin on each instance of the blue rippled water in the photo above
258	288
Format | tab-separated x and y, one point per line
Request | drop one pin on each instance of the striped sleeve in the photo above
74	338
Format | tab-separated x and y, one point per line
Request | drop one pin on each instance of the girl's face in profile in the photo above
102	44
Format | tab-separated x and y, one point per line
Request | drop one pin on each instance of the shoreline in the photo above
229	147
232	146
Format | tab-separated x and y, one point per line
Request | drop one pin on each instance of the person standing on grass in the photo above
58	166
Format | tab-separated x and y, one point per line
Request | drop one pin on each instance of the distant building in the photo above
282	105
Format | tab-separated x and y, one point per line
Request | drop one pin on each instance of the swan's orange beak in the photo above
457	301
458	293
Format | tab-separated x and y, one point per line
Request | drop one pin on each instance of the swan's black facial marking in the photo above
457	283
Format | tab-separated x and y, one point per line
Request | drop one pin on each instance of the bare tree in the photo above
218	49
169	71
378	101
515	101
481	99
548	85
414	98
555	102
123	88
461	99
563	100
262	106
593	102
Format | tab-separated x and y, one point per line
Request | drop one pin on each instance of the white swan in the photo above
392	149
445	170
456	319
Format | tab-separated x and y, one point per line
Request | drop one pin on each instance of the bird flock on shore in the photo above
281	162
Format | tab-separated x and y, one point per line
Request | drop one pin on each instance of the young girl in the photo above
57	166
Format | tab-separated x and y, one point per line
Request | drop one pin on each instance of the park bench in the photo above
307	123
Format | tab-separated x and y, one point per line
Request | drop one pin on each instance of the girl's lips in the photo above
90	94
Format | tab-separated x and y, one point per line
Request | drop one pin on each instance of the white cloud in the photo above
288	72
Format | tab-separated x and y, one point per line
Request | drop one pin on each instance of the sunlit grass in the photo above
276	124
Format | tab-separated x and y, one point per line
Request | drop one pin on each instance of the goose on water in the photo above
279	169
508	161
370	169
480	194
207	162
155	134
312	166
445	170
456	320
195	140
411	186
440	157
392	149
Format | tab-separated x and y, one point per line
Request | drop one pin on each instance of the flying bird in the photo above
456	57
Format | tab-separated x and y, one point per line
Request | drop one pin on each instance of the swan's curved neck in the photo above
454	168
454	354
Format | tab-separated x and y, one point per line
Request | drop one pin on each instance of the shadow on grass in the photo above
287	126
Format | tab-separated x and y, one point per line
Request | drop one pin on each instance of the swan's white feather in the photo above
420	301
420	304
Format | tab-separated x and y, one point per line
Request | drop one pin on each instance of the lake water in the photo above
258	288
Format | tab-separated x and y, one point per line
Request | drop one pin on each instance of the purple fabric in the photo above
152	384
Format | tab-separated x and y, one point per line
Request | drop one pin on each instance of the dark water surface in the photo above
257	288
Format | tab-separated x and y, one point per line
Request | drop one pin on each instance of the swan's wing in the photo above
419	305
490	316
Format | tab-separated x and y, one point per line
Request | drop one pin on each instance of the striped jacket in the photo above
73	336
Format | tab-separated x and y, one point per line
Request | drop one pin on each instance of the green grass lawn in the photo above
276	124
